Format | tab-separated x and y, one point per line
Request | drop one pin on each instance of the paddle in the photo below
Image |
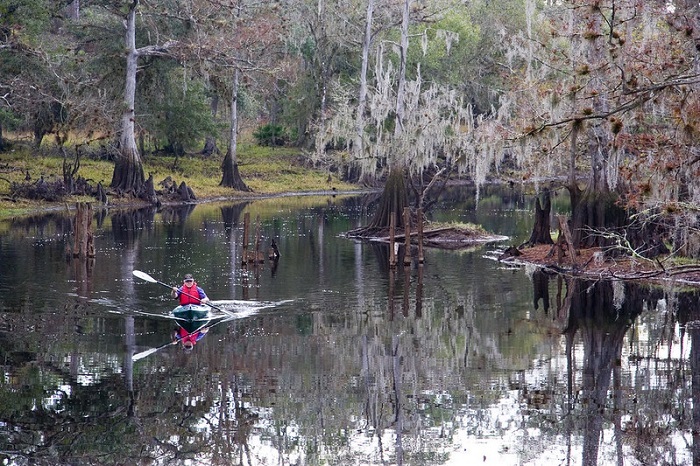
148	278
143	354
149	352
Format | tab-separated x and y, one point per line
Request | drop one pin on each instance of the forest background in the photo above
597	98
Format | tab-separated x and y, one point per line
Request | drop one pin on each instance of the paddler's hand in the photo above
205	300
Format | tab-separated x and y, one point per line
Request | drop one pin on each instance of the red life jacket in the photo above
185	337
192	291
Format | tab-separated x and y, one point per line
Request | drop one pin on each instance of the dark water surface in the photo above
330	356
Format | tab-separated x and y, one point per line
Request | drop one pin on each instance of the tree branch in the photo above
157	50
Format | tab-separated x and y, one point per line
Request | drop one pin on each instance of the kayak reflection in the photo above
194	320
193	323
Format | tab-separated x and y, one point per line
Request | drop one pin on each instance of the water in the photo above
330	356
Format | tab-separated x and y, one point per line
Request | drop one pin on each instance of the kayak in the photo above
192	317
192	312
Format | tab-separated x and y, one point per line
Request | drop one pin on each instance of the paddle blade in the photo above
144	354
144	276
149	352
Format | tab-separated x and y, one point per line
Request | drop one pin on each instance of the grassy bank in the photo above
267	171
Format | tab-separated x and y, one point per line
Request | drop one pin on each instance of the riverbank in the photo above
592	263
283	172
266	171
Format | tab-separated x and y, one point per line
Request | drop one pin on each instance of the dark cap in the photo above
188	276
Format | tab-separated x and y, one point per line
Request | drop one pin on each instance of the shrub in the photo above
271	135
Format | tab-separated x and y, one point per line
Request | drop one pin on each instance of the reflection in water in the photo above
600	312
694	331
452	362
599	315
178	214
127	225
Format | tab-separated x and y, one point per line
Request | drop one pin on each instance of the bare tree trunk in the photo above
362	101
73	10
210	141
395	195
325	64
128	173
231	176
400	97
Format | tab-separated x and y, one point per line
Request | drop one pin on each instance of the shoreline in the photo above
31	209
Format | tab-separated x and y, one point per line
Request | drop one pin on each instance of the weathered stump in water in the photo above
83	241
148	192
185	192
274	252
566	234
256	256
101	193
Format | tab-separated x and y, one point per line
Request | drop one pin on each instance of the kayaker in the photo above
189	292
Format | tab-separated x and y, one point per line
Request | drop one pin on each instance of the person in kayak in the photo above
189	292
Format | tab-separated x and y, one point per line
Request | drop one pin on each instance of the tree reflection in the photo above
423	369
602	322
597	317
231	215
127	225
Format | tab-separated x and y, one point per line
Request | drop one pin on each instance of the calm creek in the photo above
330	357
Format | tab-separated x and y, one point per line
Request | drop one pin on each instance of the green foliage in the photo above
27	17
298	103
271	135
462	47
8	119
179	117
452	45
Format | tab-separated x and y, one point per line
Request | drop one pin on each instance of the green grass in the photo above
266	170
457	225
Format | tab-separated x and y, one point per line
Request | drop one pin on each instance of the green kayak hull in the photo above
192	317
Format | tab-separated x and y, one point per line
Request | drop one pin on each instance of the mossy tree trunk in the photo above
593	215
128	173
231	176
393	199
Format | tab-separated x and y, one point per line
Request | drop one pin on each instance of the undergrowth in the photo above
266	170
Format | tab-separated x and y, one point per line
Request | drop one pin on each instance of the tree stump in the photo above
564	228
148	193
186	193
83	241
541	229
101	193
